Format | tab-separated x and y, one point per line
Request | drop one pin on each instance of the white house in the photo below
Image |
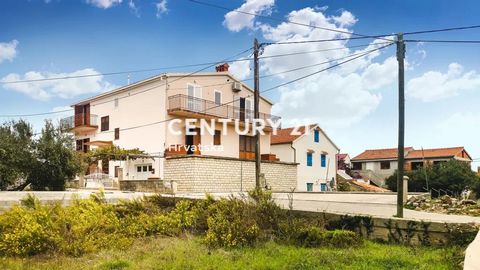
314	152
142	115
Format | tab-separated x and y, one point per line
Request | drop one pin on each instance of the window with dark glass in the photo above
385	165
105	122
117	133
217	138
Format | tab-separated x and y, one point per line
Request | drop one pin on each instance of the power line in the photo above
178	66
442	41
442	30
322	70
288	21
220	84
267	90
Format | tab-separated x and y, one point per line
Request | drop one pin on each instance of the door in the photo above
194	94
193	142
242	109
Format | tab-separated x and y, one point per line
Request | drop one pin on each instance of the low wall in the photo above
397	230
219	174
143	185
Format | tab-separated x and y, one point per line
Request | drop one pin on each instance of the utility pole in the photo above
401	122
256	101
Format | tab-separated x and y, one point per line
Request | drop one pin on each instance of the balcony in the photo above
186	106
80	123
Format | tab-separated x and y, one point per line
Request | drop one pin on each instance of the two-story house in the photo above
161	116
315	153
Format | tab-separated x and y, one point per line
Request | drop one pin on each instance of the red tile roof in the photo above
410	153
436	152
284	135
388	153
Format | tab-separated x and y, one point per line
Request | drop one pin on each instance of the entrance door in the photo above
193	142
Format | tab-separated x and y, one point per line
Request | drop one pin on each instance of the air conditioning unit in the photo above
237	87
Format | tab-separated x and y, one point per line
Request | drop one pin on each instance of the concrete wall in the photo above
215	174
143	185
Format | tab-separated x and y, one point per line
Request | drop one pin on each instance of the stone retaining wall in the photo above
143	185
218	174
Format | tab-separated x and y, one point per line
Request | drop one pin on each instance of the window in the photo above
357	165
194	93
385	165
309	186
323	160
323	187
217	138
218	98
139	168
145	168
105	123
117	133
316	135
309	159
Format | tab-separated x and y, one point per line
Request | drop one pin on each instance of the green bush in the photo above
231	223
27	231
316	237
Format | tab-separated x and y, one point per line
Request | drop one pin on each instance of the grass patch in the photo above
190	253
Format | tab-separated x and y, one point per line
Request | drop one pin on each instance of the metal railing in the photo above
79	120
195	105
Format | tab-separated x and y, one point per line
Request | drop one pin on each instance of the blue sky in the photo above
60	37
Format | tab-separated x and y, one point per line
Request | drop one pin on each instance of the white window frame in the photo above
215	97
194	104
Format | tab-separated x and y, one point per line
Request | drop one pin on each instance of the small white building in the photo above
314	152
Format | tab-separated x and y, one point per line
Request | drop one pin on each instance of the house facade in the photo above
314	152
379	164
162	116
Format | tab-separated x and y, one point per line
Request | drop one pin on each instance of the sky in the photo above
356	103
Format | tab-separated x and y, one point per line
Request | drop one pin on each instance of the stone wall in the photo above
143	185
218	174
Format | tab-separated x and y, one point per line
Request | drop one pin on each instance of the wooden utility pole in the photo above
401	122
256	114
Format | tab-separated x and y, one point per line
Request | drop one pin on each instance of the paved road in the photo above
378	205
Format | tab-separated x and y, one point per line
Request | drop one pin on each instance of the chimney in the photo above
222	68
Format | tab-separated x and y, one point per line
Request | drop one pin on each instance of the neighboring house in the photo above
139	115
378	164
343	161
314	152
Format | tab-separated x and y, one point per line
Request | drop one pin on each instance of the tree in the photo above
453	176
16	152
55	160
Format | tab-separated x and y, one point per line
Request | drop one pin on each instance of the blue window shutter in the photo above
309	159
323	159
316	135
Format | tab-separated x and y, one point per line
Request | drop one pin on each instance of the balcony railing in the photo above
184	103
80	121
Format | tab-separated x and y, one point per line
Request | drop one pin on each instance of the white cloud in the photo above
240	69
104	3
8	50
345	19
236	21
434	85
378	75
161	8
134	8
66	88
